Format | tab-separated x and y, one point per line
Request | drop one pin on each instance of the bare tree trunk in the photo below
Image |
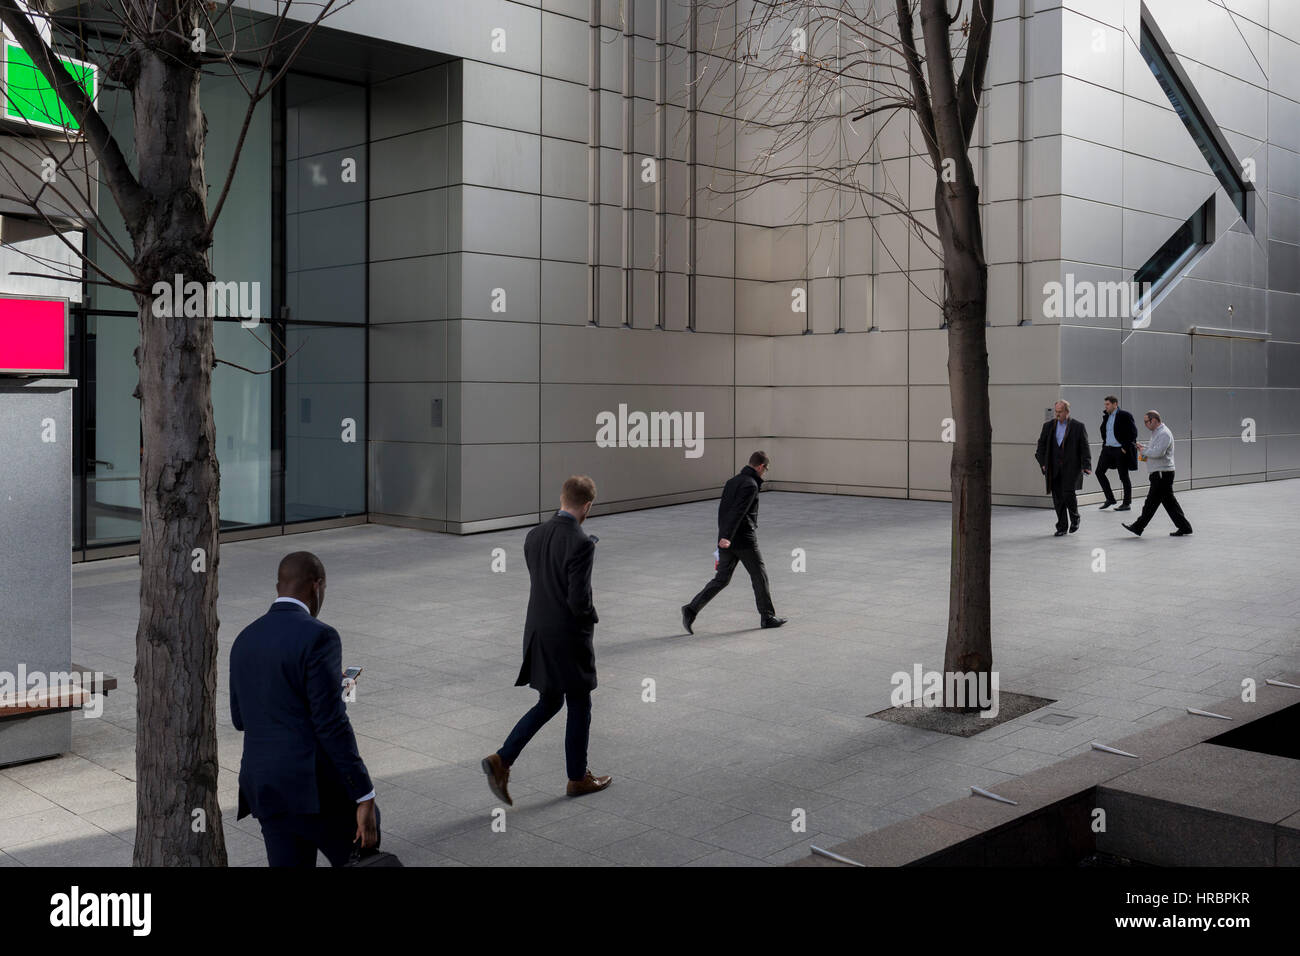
948	119
158	56
970	646
176	641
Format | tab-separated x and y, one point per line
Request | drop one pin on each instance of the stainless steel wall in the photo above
556	285
35	575
854	394
651	294
1130	174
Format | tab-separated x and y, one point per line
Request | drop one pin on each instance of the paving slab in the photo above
1239	783
747	724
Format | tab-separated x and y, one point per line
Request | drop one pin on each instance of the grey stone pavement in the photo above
747	724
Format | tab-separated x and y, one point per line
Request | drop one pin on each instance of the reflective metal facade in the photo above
526	275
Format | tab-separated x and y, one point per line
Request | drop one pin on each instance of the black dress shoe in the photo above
773	621
1180	534
688	618
1134	530
1106	505
1060	533
1074	527
1124	507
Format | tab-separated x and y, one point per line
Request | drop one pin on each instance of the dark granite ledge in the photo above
1174	772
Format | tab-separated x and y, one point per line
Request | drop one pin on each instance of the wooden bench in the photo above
56	701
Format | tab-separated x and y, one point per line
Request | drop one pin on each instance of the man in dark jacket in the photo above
738	542
559	658
1118	450
301	775
1064	456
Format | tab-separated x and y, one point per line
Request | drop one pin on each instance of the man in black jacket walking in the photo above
738	542
1064	456
559	656
1118	450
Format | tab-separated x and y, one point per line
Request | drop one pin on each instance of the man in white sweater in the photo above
1159	456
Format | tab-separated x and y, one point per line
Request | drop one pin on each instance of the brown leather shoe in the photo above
498	775
588	784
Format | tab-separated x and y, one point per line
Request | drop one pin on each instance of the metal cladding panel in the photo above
36	578
408	479
1085	171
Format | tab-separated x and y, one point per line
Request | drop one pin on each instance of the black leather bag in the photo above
372	857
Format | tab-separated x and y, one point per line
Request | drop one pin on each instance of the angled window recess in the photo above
1192	111
1176	254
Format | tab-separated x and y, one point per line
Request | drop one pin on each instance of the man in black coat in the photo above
1064	456
301	776
559	657
738	542
1118	450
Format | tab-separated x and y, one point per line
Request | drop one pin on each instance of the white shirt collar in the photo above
292	600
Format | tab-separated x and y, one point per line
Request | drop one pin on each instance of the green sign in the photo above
28	97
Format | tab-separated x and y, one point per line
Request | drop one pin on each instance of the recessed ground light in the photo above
1055	719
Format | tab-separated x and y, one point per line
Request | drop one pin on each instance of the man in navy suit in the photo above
301	775
559	655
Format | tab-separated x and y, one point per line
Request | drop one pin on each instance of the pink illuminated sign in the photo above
33	336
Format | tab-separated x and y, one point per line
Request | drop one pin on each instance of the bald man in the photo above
1064	457
301	776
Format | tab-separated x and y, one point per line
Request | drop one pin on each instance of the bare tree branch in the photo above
924	112
280	364
259	92
971	82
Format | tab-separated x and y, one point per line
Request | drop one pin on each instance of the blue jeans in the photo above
576	732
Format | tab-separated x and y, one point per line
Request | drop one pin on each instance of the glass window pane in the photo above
112	433
324	456
241	242
241	409
241	248
77	369
115	109
325	208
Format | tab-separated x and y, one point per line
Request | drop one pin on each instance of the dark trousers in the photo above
1113	458
1160	493
1064	500
576	732
727	560
292	839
